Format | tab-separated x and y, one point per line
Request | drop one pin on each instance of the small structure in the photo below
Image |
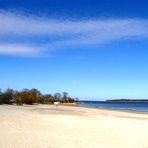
56	104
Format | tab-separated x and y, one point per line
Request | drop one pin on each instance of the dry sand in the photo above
44	126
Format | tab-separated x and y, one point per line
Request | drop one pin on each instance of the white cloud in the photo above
57	34
20	50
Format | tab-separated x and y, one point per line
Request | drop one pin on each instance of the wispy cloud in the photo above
20	50
76	83
46	34
79	57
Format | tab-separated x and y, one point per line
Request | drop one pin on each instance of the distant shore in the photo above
127	100
37	126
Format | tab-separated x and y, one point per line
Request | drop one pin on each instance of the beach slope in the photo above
44	126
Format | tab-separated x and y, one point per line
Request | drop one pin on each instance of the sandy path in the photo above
42	126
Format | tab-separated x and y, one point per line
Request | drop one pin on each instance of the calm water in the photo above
139	106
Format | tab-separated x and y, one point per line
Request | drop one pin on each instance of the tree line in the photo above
32	96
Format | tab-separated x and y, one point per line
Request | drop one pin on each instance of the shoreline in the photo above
85	107
120	110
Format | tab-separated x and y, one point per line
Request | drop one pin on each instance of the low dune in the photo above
45	126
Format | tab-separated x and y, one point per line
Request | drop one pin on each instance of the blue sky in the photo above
92	49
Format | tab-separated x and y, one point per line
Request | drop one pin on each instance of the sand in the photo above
44	126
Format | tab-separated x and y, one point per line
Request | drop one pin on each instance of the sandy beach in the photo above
44	126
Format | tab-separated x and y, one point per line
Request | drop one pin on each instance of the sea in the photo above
135	106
